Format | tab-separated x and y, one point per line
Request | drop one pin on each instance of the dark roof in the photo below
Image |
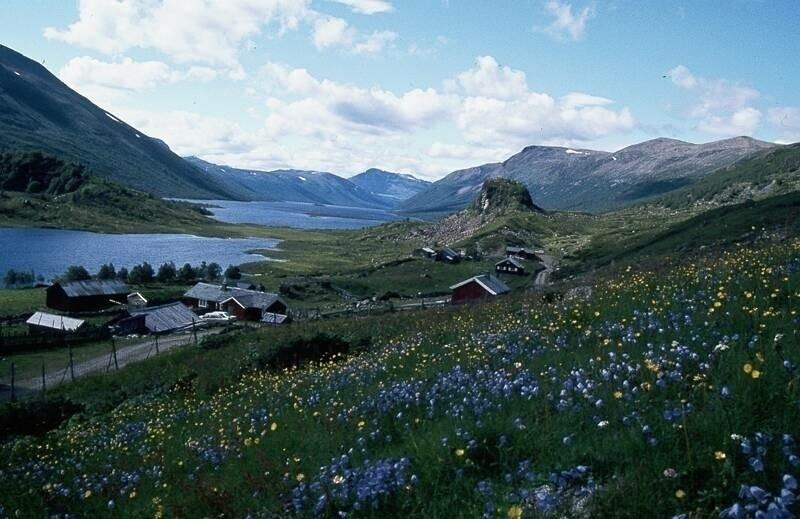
94	287
514	261
165	318
489	282
247	298
260	300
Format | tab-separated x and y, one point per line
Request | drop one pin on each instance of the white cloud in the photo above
786	122
489	79
189	133
105	82
744	121
375	42
367	6
328	107
211	32
722	107
330	31
567	24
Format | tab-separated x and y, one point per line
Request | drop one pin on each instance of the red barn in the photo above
478	288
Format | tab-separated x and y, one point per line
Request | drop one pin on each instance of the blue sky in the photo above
420	86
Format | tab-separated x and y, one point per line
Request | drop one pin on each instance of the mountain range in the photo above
372	189
39	112
589	180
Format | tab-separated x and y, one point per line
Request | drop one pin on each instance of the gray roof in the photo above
55	322
94	287
514	249
272	318
165	318
247	298
489	282
260	300
514	261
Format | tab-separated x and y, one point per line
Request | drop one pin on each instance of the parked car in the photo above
218	317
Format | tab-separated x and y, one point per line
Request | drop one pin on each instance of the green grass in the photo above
452	391
20	301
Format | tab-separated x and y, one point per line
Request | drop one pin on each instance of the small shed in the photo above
521	253
510	265
448	255
478	288
274	319
165	318
136	300
42	322
86	296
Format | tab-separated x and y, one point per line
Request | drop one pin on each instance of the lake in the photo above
297	214
50	251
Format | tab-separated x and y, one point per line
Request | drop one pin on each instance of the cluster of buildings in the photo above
131	313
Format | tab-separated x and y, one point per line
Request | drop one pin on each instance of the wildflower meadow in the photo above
666	393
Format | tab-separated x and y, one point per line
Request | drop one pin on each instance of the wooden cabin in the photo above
86	296
478	288
509	266
246	305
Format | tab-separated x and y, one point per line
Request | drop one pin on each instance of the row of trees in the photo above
145	273
18	279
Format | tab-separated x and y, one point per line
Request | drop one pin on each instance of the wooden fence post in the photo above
13	388
155	333
114	353
194	332
43	380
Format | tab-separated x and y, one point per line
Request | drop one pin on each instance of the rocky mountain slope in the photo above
588	180
39	112
391	187
292	186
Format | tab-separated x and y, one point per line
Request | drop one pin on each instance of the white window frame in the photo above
202	303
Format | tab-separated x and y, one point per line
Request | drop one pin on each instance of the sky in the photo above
420	86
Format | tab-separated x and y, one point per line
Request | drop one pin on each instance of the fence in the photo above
28	377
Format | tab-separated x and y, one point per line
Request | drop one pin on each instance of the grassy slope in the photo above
453	392
715	228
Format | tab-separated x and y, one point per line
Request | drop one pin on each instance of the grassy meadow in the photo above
669	391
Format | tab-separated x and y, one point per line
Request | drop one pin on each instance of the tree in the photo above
143	273
166	273
122	274
213	271
202	270
10	278
76	273
107	271
233	272
187	273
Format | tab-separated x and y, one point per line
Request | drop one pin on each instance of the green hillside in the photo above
41	190
39	112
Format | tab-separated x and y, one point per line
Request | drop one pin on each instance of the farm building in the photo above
86	296
42	322
448	256
246	305
136	300
275	319
425	252
521	252
510	265
478	288
157	319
